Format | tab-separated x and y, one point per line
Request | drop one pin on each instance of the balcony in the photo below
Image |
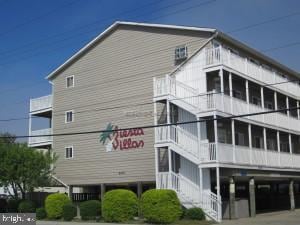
189	99
44	141
41	104
187	145
221	56
243	155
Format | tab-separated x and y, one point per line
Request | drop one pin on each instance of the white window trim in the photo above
185	49
73	81
73	118
72	152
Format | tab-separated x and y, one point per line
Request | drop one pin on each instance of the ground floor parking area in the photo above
274	218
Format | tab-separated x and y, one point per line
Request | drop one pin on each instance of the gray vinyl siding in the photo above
114	74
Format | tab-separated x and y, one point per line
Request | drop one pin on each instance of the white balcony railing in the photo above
219	55
178	136
243	155
221	102
41	103
40	141
236	106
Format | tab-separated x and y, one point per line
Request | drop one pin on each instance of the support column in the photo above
247	91
231	93
156	149
252	197
230	85
218	190
168	118
139	189
170	160
216	136
199	137
290	144
103	189
232	214
298	110
275	100
200	183
221	80
287	106
156	167
265	144
222	86
262	97
250	142
291	193
233	138
70	192
278	141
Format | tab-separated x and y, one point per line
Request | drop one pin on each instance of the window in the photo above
69	152
181	52
69	116
70	81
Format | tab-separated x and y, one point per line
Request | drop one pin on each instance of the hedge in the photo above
26	206
69	212
54	205
12	205
90	210
195	214
119	205
41	213
160	206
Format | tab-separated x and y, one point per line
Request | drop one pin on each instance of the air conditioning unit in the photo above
181	53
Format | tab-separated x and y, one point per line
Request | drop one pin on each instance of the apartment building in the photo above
134	75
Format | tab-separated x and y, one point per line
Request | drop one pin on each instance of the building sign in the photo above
115	139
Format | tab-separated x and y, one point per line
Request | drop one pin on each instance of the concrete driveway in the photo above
274	218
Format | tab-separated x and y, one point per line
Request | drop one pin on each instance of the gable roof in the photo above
113	27
217	35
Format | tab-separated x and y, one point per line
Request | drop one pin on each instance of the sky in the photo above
37	36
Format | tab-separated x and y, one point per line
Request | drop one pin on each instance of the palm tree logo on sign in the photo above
107	137
122	139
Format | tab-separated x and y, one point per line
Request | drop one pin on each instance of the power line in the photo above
264	22
132	105
274	19
159	125
37	18
101	22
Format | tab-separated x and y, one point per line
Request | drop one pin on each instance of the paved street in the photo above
274	218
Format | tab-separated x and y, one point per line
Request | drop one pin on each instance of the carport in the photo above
246	193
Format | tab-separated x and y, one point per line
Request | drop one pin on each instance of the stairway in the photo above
186	145
190	195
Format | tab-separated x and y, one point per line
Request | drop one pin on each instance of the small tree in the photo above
23	168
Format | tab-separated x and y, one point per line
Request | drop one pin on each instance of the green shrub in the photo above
41	213
195	214
26	206
12	205
160	206
119	205
90	210
69	212
54	205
